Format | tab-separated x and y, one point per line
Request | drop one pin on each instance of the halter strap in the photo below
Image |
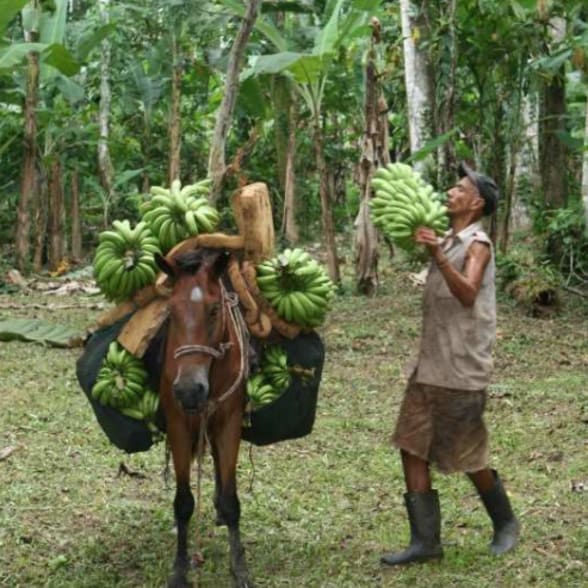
230	300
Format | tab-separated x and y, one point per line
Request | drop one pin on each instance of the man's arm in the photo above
464	286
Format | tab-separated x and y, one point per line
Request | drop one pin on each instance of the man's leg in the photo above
497	504
417	475
422	504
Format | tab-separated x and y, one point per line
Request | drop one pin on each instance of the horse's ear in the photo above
221	262
164	265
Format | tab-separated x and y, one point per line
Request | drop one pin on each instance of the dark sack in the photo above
126	433
292	414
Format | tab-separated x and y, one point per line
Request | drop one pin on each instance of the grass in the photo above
316	512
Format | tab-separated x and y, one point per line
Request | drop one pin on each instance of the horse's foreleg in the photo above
181	447
225	452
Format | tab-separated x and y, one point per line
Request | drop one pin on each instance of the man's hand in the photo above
427	237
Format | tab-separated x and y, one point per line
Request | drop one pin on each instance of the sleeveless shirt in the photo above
456	341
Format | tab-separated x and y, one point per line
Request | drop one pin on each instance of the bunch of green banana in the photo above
177	213
124	259
145	408
404	202
274	366
297	287
122	379
260	391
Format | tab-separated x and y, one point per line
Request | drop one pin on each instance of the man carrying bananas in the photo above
440	418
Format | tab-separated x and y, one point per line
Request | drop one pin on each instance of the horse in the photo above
202	394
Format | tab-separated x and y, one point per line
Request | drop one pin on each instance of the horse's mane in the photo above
191	261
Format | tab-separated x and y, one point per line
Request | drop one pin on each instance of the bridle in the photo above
230	307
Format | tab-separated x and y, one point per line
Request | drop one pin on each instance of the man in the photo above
440	419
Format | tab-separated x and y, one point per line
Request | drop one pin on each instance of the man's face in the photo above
463	198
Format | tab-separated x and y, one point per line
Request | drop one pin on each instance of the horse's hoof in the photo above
242	581
179	581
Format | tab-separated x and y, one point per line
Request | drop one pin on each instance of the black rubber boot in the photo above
424	515
506	525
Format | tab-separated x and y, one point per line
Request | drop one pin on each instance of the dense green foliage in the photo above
488	60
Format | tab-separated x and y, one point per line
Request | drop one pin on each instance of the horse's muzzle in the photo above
191	394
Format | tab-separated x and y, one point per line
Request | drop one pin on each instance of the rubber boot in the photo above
424	516
506	525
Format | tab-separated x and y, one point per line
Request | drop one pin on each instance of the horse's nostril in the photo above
190	395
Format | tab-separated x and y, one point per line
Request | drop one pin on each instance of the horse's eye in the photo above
214	310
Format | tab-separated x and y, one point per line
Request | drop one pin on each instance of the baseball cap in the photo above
486	187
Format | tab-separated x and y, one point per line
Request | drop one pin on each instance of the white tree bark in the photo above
417	80
216	161
526	171
104	161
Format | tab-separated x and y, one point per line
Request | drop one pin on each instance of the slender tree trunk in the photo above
374	154
40	211
446	153
76	221
216	162
585	169
29	180
104	161
326	211
526	179
175	120
281	97
290	225
417	75
552	151
56	214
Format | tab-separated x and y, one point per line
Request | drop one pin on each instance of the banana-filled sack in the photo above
297	287
282	395
403	202
122	384
120	388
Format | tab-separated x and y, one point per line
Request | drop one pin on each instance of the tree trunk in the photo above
326	212
56	214
585	169
105	169
281	97
417	75
175	120
290	225
40	220
552	151
216	161
374	154
76	221
29	180
526	180
445	117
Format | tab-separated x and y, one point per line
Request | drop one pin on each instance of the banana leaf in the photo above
39	331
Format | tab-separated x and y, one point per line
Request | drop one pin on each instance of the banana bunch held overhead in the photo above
122	379
176	213
297	287
124	260
272	379
404	202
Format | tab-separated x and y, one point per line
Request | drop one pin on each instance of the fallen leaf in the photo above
7	452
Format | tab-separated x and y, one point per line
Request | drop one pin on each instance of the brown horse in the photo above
202	394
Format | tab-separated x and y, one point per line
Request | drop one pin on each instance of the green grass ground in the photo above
318	511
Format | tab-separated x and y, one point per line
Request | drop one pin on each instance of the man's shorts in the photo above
444	427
